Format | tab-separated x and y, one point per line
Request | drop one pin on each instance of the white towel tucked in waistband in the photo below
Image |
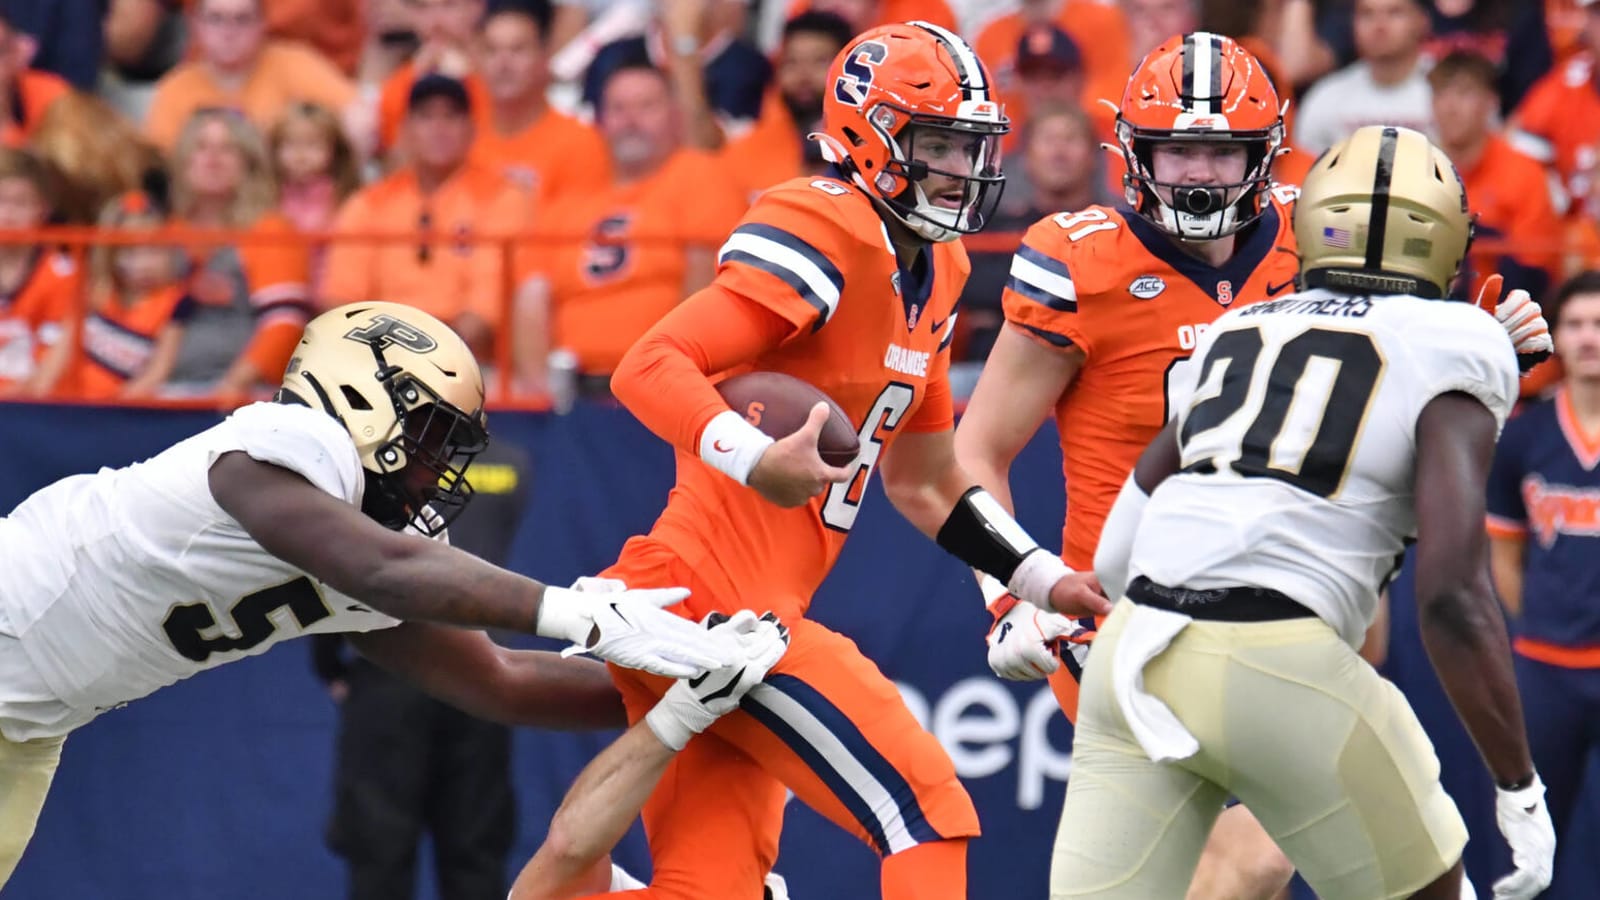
1145	635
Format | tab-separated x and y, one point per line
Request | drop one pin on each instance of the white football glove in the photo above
690	706
1525	821
1523	320
632	629
1022	642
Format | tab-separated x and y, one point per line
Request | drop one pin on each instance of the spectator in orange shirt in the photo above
1508	190
236	66
1100	31
1558	122
776	148
251	294
1048	71
137	310
449	270
864	14
446	29
544	150
605	266
25	95
38	287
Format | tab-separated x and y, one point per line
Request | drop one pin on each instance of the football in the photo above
778	404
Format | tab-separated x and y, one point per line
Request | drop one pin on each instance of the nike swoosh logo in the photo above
717	446
1005	629
356	607
699	679
938	324
1275	289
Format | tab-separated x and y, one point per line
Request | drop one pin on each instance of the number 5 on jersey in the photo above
844	499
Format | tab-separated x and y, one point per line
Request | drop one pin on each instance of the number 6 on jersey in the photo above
844	499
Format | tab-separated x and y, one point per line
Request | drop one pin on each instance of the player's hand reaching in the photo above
1522	318
791	471
690	706
633	629
1525	821
1079	594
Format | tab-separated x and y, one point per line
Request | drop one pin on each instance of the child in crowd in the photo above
137	308
316	168
39	286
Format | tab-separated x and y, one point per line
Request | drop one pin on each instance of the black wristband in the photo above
972	536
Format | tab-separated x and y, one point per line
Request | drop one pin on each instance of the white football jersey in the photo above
121	582
1297	420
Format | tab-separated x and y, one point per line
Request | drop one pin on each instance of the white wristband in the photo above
1035	576
677	717
732	445
562	615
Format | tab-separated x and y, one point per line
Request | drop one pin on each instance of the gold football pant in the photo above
26	769
1325	752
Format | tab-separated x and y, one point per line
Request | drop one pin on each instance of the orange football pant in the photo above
826	724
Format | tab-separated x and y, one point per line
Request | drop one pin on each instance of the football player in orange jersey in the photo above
1104	305
849	282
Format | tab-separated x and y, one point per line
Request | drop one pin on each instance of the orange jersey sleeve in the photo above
1039	296
278	271
664	379
783	255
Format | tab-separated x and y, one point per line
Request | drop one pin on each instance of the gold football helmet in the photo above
411	395
1383	212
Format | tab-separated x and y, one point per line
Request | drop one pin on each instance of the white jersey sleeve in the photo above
1459	347
126	580
303	440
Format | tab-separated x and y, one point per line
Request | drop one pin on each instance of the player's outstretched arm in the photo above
609	793
415	579
1462	627
1022	380
517	687
924	482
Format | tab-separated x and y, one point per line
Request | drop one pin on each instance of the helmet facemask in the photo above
1198	212
421	478
963	151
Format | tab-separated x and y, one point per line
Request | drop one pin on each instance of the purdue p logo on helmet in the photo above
410	394
1383	212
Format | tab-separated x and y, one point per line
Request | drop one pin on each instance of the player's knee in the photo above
1240	862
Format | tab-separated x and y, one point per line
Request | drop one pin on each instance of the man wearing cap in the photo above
425	235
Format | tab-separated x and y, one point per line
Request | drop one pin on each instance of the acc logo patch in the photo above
1147	287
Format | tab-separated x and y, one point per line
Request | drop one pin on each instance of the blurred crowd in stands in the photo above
184	182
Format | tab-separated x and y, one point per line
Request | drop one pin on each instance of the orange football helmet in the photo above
907	101
1199	87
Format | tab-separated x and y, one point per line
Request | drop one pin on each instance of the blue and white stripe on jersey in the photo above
798	264
1042	279
877	795
949	336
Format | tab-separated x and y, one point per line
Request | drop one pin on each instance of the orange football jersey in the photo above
869	335
37	315
1558	123
1109	282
